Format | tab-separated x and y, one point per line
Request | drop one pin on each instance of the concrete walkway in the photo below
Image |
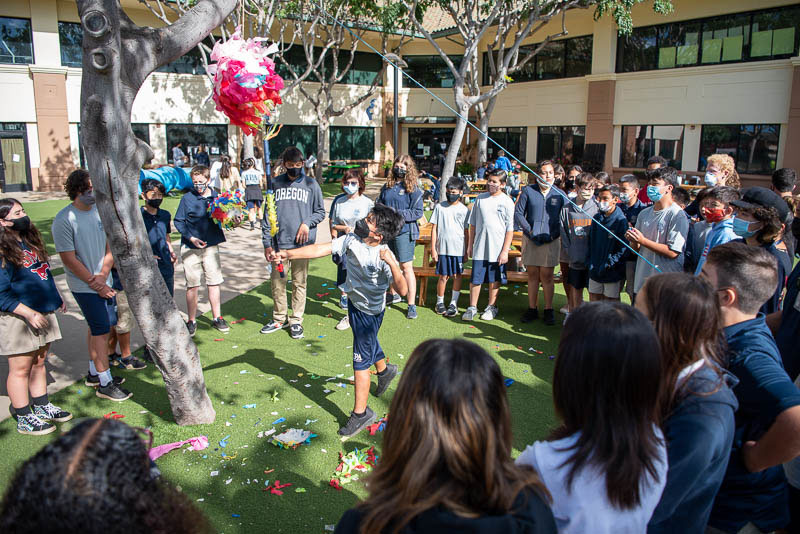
244	268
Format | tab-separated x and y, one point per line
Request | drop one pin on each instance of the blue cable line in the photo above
539	179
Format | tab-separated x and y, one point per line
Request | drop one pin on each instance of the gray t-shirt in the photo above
348	211
492	217
451	220
368	276
669	226
82	232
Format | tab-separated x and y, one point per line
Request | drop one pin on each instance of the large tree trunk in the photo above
483	124
323	145
117	57
458	136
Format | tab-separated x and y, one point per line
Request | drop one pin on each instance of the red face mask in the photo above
714	215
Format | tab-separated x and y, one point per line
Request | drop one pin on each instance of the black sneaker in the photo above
296	331
114	359
452	310
531	314
113	392
549	317
94	381
132	363
440	309
393	298
386	378
50	412
33	426
356	424
191	326
272	326
221	324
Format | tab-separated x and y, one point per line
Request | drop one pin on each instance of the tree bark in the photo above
323	144
462	106
117	57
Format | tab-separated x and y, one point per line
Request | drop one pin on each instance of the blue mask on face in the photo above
742	227
710	180
654	193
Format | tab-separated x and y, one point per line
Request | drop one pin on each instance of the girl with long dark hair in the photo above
698	404
606	464
28	325
446	463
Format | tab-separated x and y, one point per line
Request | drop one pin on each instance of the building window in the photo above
428	147
430	71
303	137
16	43
514	140
752	36
141	131
189	63
754	147
352	142
564	58
70	39
563	144
639	143
366	66
213	136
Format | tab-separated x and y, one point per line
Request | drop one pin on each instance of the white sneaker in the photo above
564	310
489	313
470	314
344	324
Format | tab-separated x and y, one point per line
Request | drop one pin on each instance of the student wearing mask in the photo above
449	238
716	208
571	190
631	206
253	195
575	221
754	490
606	252
720	170
652	164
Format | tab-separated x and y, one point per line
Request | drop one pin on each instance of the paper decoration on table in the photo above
228	209
378	426
293	438
351	465
198	444
246	87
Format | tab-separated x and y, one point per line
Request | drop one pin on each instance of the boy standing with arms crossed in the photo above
449	234
491	228
371	269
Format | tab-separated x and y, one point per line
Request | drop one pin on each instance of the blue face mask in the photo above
710	180
654	193
742	227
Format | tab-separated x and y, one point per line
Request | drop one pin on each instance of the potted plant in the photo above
387	167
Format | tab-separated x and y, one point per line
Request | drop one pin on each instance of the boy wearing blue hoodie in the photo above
606	259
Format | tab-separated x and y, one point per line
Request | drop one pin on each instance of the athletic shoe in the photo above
440	309
49	412
452	310
132	363
566	316
221	324
343	302
192	327
252	226
549	317
531	314
393	298
489	313
344	324
412	312
272	326
296	331
113	392
470	314
564	310
385	379
32	425
356	424
94	381
114	358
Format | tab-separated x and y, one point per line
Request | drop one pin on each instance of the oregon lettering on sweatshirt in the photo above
291	193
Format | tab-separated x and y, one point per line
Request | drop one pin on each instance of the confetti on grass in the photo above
351	464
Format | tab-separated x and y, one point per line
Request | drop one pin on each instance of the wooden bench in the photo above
423	273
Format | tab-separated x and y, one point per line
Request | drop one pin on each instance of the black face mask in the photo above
796	229
399	173
294	172
154	202
21	225
452	197
361	229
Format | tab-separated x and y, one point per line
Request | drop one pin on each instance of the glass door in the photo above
14	168
428	147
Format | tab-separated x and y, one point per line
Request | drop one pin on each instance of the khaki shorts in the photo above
609	290
19	338
124	315
546	255
200	261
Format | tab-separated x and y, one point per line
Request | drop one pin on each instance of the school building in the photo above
713	76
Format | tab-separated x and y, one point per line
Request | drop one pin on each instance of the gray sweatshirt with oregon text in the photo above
296	202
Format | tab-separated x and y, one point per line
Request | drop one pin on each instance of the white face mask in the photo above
604	206
710	180
493	188
625	197
586	194
350	189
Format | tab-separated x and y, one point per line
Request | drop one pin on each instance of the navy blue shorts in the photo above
450	265
100	313
484	272
169	279
341	275
251	204
578	278
366	349
402	247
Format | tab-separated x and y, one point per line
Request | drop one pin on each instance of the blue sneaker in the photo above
343	302
412	312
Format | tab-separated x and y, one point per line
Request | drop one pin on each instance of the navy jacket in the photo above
158	229
764	391
788	332
537	216
31	285
606	259
409	205
192	220
699	434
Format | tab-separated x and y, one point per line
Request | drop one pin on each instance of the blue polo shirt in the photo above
158	229
763	392
192	220
786	338
538	215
